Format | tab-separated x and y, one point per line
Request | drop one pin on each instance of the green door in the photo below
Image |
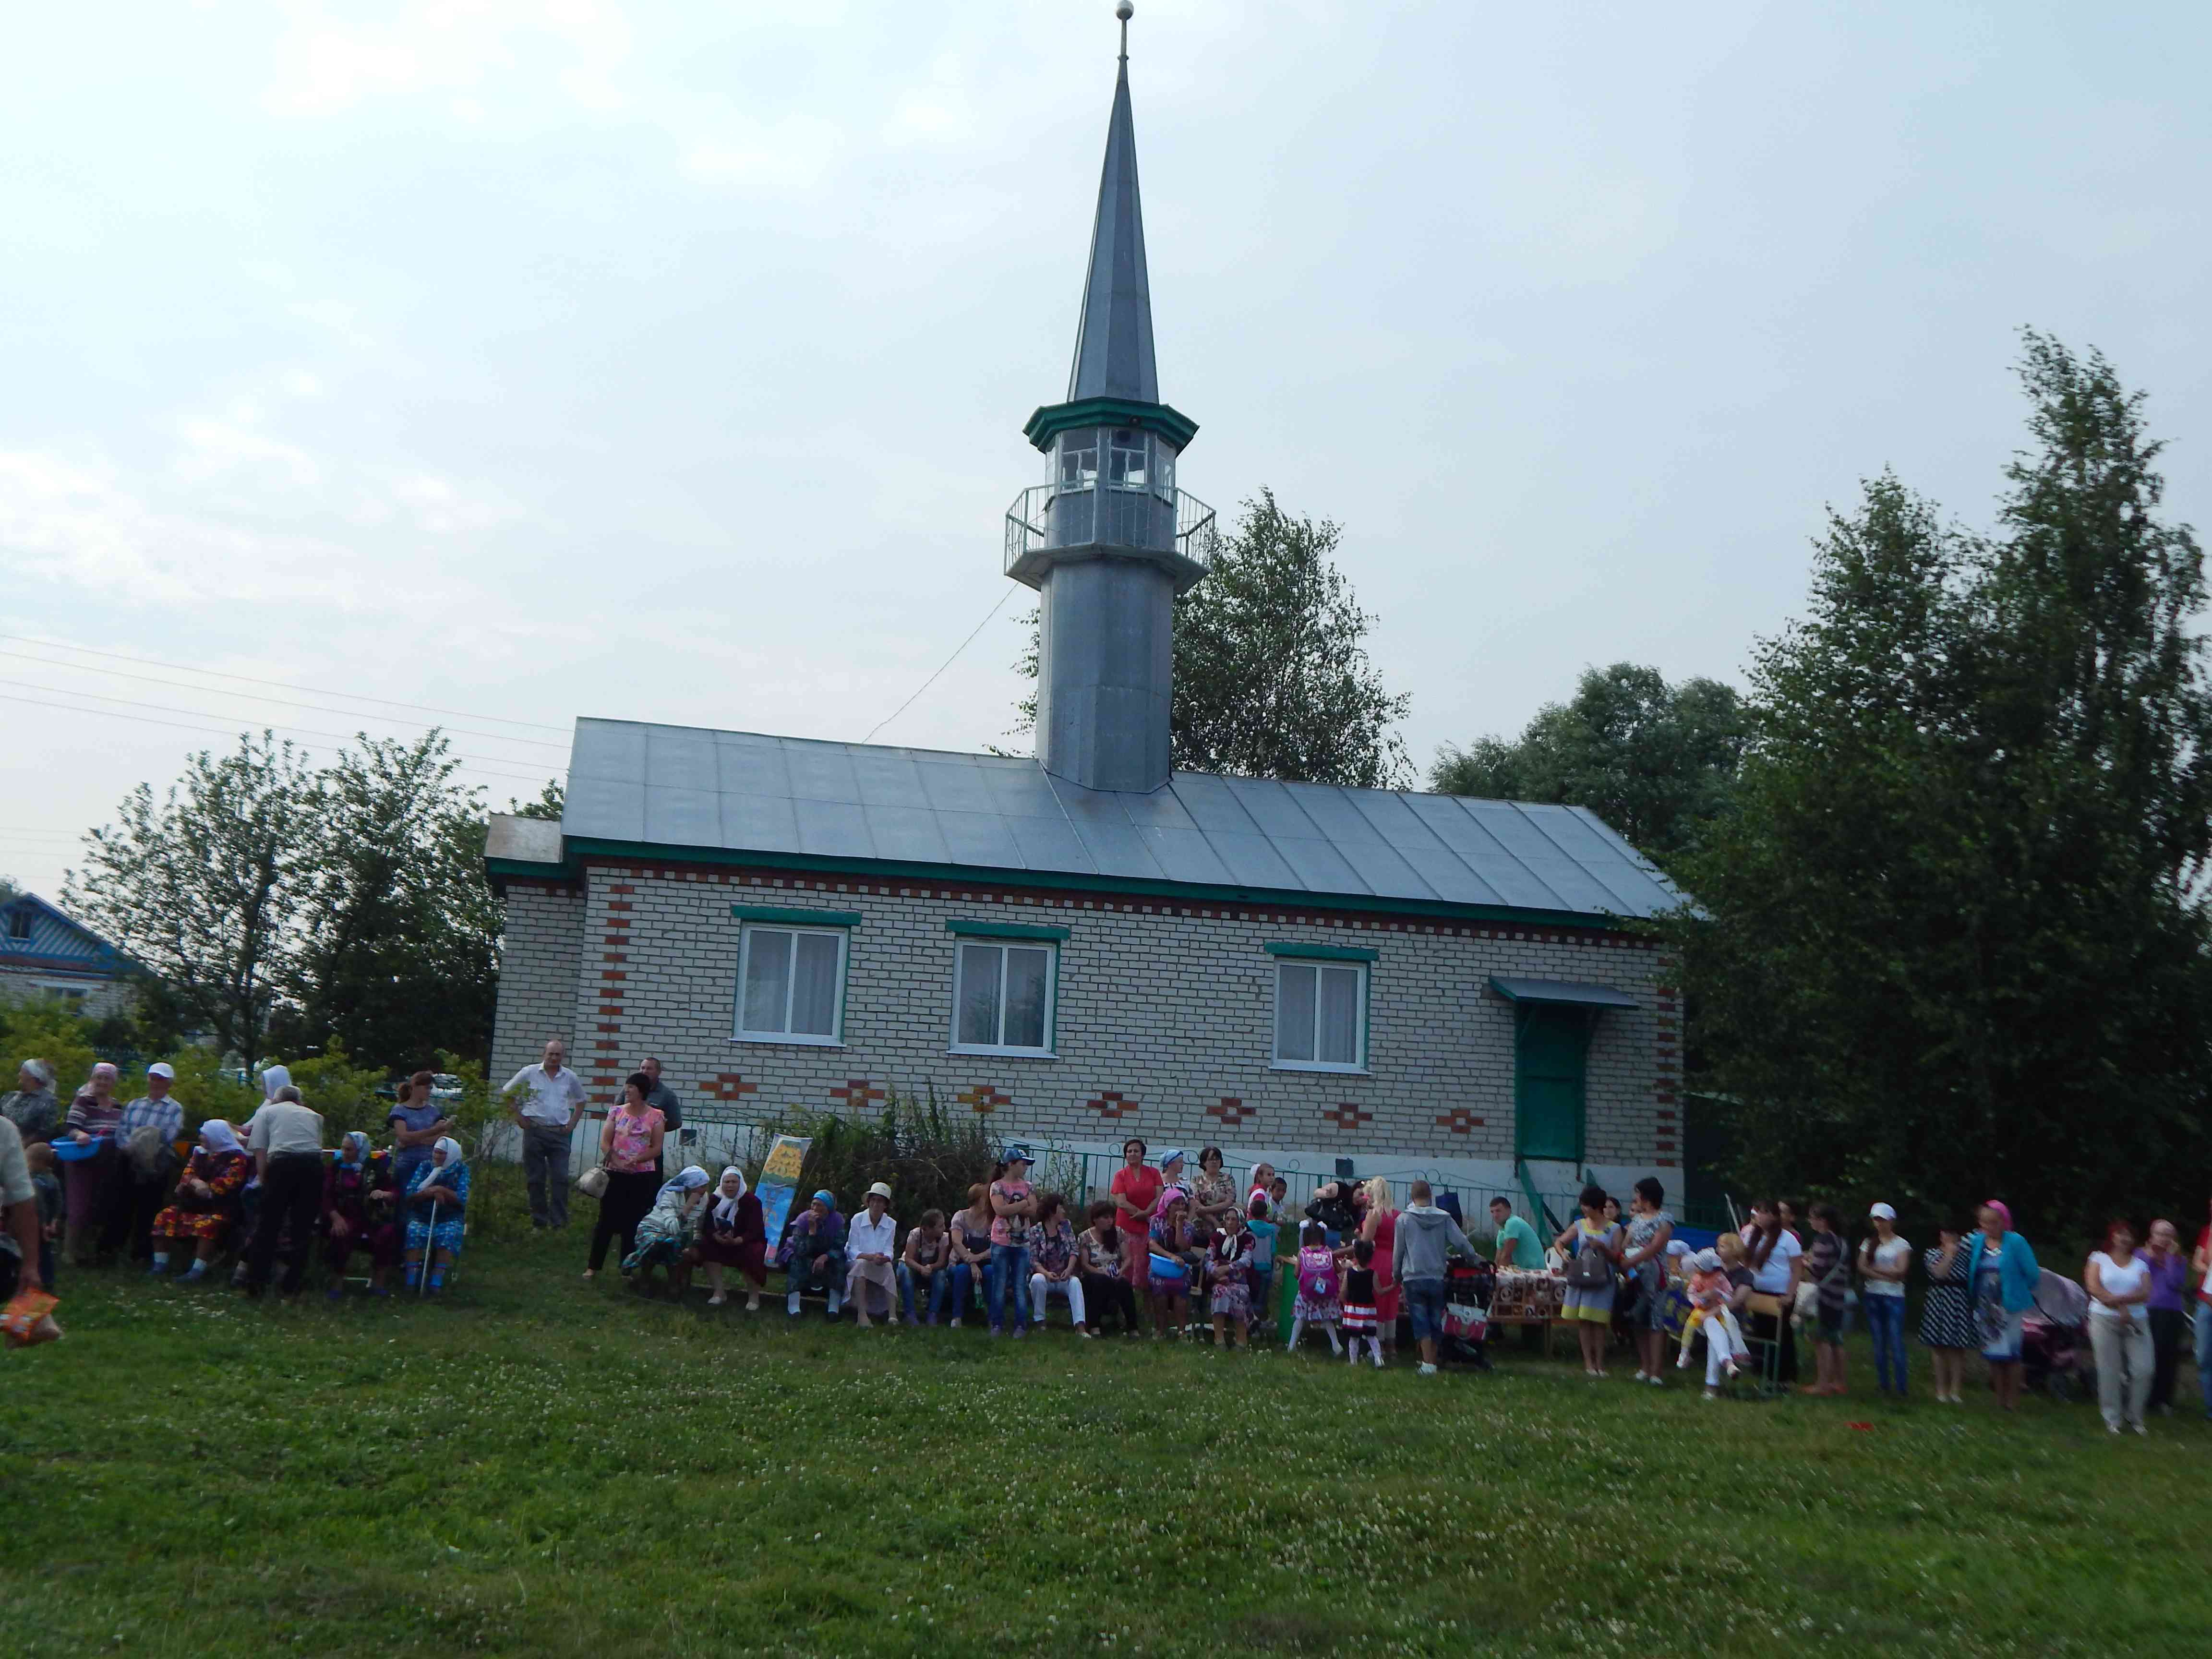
1549	1045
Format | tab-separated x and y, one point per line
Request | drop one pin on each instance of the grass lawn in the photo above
543	1466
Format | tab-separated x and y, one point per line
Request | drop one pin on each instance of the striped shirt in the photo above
165	1115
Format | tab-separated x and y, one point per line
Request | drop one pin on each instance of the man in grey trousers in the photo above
545	1101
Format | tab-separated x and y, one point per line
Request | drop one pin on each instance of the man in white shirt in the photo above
545	1101
19	1216
868	1250
287	1144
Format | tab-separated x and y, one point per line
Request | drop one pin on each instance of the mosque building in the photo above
1089	944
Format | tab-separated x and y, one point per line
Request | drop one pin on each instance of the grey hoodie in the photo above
1423	1231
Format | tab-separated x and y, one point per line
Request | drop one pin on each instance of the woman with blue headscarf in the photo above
437	1213
355	1217
666	1231
814	1253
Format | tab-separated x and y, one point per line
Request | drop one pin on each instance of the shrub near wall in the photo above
929	1160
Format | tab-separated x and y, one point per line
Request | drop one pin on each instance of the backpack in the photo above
1590	1268
1317	1281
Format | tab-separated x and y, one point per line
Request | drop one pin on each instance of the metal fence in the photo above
1047	516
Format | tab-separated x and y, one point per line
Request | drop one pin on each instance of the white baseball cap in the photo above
163	1068
1881	1213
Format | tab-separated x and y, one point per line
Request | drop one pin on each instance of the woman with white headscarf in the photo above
437	1213
733	1233
666	1230
204	1208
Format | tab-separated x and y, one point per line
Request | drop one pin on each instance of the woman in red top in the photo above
1136	1190
1381	1226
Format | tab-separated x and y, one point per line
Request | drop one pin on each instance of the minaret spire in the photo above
1114	336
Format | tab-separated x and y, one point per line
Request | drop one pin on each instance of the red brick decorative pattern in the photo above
727	1086
1459	1121
1111	1103
857	1095
1345	1115
606	1051
983	1100
1232	1111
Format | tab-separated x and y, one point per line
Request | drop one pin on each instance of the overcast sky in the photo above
533	358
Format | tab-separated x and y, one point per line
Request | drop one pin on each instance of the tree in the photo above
1656	762
402	956
202	887
1272	675
1953	941
551	801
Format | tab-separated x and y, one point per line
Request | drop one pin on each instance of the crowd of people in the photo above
106	1178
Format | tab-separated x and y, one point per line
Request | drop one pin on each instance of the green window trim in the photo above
1279	947
795	917
1006	930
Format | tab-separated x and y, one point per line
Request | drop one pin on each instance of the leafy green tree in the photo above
401	957
1272	674
1953	941
1656	762
203	885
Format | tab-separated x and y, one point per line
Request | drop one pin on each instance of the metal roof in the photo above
1114	340
1560	990
743	792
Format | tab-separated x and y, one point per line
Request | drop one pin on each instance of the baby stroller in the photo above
1467	1313
2054	1344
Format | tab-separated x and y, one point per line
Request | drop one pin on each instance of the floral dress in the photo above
1228	1261
452	1217
225	1173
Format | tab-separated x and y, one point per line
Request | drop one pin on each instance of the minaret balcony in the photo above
1090	519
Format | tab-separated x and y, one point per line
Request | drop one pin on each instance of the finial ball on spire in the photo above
1125	11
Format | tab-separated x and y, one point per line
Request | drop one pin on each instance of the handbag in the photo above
1590	1268
593	1183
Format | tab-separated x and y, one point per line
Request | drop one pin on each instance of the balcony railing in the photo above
1048	516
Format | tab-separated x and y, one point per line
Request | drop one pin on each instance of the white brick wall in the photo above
1168	1005
537	977
102	997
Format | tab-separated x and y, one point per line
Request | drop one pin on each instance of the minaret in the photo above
1109	541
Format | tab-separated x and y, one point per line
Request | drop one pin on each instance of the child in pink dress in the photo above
1318	1285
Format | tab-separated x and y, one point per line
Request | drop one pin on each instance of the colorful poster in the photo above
778	1185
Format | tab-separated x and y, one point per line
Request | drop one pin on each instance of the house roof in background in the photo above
57	942
633	786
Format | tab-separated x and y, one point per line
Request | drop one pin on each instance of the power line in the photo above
1004	596
252	696
473	761
282	685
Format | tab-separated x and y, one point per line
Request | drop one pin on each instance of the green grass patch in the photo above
537	1465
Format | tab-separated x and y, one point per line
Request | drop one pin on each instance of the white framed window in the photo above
1320	1016
1003	993
1125	460
791	984
1078	461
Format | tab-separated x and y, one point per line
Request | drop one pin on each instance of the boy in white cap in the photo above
144	1165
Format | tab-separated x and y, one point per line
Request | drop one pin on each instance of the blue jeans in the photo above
2204	1352
1885	1318
1424	1300
940	1292
1009	1278
966	1282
